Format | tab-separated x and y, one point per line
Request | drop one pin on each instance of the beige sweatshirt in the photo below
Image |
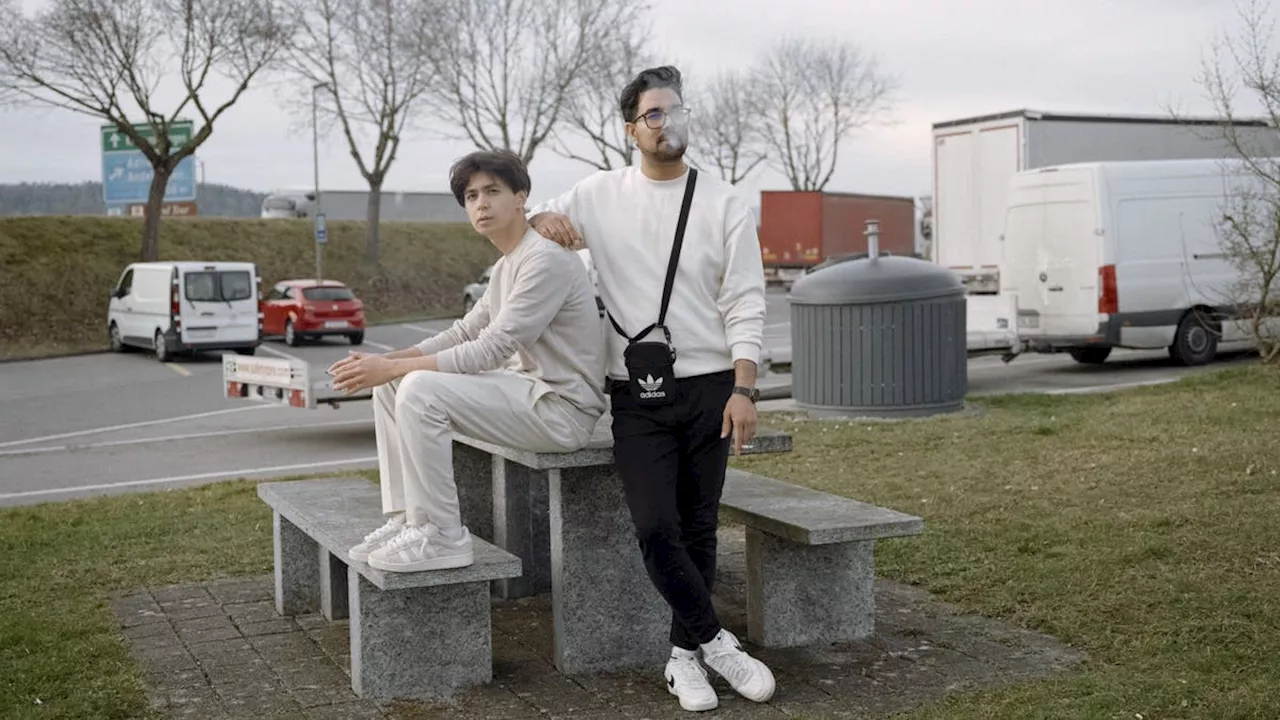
539	317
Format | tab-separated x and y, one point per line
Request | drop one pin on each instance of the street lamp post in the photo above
319	225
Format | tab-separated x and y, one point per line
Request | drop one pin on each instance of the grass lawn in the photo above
1140	526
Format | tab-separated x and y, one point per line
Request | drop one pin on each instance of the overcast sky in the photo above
953	59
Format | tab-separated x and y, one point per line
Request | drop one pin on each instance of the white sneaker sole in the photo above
762	697
447	562
695	707
356	556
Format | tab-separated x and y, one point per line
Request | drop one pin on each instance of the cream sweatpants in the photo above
414	418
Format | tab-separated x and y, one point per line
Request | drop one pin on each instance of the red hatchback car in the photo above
301	309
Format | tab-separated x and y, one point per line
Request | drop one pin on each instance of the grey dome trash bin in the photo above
878	337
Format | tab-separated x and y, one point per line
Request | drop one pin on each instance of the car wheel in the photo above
1196	341
1091	356
290	335
356	338
162	351
113	333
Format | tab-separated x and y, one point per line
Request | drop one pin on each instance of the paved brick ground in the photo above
219	650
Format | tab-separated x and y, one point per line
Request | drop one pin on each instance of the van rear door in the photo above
1052	251
219	305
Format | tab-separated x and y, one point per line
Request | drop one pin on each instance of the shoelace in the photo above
687	671
389	527
408	536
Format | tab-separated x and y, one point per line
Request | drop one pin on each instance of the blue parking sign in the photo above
322	234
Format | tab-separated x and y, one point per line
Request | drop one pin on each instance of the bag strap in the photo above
671	266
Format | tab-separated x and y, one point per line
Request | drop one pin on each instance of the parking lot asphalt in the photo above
109	423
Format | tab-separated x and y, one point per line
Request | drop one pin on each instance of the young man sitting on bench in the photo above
524	368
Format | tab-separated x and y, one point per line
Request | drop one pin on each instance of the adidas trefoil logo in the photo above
652	388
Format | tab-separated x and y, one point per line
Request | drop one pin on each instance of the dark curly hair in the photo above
501	164
666	76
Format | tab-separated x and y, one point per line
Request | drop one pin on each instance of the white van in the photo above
1124	254
178	307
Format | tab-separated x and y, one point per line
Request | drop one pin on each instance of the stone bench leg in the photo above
473	474
297	572
803	594
521	526
333	586
420	642
608	615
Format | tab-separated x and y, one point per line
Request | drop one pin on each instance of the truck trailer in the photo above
975	159
354	205
799	230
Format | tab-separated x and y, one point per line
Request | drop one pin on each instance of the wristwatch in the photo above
752	394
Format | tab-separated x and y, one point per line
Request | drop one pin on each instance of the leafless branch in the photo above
107	58
1246	64
816	94
727	126
371	62
508	68
591	112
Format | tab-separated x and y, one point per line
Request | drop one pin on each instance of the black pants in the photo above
672	461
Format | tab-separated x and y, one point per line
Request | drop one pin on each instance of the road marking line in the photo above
418	328
129	426
179	369
171	438
183	478
379	345
278	353
1103	388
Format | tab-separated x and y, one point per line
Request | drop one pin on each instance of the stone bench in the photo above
565	516
810	559
419	634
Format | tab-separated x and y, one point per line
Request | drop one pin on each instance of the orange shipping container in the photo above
800	229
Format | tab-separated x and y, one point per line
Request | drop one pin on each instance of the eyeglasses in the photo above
658	119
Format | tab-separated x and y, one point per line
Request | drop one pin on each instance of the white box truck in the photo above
1128	255
975	158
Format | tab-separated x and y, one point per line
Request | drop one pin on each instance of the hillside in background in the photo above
59	270
85	198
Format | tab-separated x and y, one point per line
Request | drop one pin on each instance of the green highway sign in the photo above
127	173
180	134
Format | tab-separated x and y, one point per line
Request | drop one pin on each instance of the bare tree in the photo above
1247	64
372	61
727	126
591	112
507	68
106	59
815	95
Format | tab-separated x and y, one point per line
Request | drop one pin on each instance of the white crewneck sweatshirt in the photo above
628	223
538	317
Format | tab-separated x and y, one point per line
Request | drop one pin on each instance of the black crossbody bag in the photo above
650	363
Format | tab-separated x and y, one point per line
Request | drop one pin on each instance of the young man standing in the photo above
672	420
524	368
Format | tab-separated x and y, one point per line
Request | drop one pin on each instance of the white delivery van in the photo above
1124	254
180	307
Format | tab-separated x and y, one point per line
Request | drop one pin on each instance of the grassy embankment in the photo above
1139	526
57	271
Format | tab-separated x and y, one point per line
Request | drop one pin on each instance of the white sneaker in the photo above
375	539
416	549
750	677
687	680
